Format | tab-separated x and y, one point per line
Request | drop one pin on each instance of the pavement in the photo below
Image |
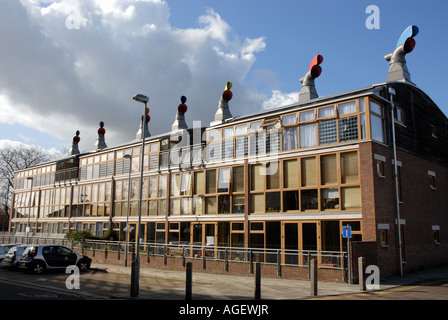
169	284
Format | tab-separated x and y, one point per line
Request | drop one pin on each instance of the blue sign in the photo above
346	231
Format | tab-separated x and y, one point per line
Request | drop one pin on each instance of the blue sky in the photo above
55	80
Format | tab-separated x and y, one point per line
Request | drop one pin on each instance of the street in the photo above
107	282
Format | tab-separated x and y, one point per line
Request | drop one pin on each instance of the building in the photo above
374	158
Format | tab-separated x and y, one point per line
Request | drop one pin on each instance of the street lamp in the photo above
29	208
135	272
128	156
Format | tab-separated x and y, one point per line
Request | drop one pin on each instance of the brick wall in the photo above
421	208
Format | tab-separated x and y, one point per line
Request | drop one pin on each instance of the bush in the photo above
81	236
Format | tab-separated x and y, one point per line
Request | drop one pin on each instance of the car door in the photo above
51	255
67	257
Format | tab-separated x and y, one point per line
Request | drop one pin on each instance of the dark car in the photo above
13	256
40	258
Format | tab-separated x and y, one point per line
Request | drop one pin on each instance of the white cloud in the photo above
279	99
58	79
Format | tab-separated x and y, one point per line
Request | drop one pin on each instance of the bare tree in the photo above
13	158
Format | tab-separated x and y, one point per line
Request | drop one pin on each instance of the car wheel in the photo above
38	268
83	265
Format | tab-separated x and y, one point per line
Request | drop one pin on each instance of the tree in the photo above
13	158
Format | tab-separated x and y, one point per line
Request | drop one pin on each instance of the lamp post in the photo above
128	156
135	272
29	208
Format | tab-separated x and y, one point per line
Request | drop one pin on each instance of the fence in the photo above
279	257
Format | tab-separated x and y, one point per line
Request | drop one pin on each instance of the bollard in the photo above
313	277
188	282
361	273
257	281
279	264
226	263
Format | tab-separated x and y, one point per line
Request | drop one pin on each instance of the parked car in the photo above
4	248
40	258
13	256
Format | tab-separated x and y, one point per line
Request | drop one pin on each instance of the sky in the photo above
67	65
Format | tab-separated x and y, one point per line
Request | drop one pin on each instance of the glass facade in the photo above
218	180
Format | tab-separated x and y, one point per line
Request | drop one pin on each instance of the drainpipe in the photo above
394	145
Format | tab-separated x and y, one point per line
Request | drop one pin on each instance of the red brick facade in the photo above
422	209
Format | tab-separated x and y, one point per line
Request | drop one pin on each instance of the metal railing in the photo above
279	257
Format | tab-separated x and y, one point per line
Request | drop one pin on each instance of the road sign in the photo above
128	228
346	231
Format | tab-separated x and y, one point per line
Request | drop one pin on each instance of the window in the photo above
384	237
380	168
399	115
306	116
289	120
290	174
346	108
326	112
309	200
185	184
432	179
256	182
210	183
308	136
436	234
214	151
433	131
273	141
269	122
227	148
351	198
223	180
328	132
290	138
198	182
257	143
348	129
214	135
241	146
376	122
328	169
330	198
238	179
309	172
349	167
272	175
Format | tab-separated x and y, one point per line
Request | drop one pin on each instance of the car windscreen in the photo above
29	252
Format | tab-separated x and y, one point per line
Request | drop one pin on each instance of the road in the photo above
18	291
102	284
